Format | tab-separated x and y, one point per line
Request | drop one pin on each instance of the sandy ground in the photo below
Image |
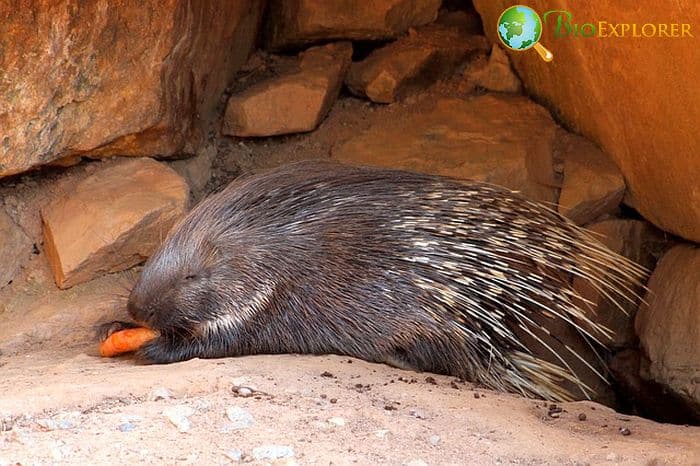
62	404
72	407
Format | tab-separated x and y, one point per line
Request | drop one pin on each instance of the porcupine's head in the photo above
197	276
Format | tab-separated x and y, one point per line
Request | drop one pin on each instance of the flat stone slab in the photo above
292	103
112	220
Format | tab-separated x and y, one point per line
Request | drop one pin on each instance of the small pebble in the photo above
582	417
390	407
454	385
5	425
333	400
327	374
625	431
554	411
126	427
337	421
434	440
63	421
415	462
160	393
272	452
418	414
56	454
431	380
178	416
245	392
239	417
234	455
476	395
323	396
381	433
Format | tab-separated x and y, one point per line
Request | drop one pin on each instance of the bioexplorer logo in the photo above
520	28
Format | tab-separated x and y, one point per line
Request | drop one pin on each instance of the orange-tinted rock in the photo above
488	138
292	103
467	21
112	220
15	248
669	324
294	23
496	75
414	61
638	241
197	170
637	98
593	185
125	78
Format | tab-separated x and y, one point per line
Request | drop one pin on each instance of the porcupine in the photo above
417	271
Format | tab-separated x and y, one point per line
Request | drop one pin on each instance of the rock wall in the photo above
102	78
638	98
294	23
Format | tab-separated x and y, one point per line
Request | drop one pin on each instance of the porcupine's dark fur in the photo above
414	270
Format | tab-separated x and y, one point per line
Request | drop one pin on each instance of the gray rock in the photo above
160	393
234	455
126	427
178	416
272	452
62	421
239	417
337	421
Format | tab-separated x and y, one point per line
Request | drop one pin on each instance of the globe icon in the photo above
520	28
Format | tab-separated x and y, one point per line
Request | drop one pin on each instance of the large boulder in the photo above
294	23
668	324
638	241
501	139
126	78
637	98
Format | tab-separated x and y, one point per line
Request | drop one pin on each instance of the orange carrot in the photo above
125	341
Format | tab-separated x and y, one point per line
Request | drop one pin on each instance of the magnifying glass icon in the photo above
520	28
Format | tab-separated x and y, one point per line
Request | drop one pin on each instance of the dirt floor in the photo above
72	407
62	404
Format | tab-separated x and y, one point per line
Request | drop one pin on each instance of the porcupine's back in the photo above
416	270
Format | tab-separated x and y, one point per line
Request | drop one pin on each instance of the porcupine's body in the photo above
414	270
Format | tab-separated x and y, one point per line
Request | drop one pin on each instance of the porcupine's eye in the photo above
190	277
